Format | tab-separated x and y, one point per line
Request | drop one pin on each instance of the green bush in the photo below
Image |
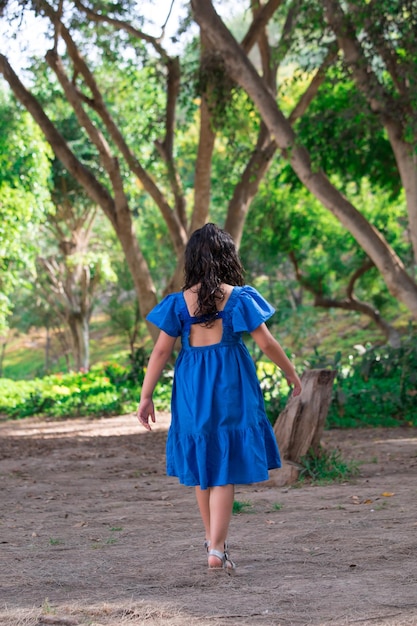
109	389
274	387
378	388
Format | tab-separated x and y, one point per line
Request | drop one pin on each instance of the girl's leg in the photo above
220	507
203	501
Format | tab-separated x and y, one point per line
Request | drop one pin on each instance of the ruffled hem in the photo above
222	458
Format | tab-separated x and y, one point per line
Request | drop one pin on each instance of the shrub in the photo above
274	387
377	388
109	389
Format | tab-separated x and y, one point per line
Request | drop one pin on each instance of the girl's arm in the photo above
270	346
157	361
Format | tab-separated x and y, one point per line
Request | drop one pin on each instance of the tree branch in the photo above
384	48
377	97
123	25
165	148
96	191
259	23
310	93
350	303
177	231
109	162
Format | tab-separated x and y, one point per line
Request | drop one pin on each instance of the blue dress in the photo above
219	431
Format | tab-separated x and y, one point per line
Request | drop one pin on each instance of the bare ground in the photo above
93	532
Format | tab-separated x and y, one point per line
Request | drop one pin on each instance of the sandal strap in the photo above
218	554
228	563
207	545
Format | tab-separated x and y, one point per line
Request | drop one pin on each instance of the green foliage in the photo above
110	389
290	230
24	195
240	507
376	388
274	387
326	467
345	138
373	387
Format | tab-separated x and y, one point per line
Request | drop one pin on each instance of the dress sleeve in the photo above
250	310
166	317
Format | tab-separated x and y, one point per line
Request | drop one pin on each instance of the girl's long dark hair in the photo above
211	259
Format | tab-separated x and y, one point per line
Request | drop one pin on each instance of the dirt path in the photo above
93	532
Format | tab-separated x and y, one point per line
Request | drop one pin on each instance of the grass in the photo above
55	542
241	507
326	467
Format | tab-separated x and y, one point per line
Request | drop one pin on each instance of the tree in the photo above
153	160
398	281
122	159
307	245
72	275
32	310
122	307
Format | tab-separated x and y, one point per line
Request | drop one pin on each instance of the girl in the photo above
219	434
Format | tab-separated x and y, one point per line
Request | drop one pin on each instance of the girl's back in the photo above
200	334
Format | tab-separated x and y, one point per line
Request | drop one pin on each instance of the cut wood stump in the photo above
300	425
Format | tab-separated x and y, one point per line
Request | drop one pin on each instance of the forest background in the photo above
292	124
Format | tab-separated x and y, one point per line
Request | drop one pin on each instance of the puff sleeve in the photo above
166	315
250	310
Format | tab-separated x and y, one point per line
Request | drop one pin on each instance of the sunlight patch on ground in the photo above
82	427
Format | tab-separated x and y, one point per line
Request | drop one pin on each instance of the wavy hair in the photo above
211	259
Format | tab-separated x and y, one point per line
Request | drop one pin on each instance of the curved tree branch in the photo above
97	192
117	24
350	303
259	23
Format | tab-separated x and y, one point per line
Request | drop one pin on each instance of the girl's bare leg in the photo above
203	501
220	507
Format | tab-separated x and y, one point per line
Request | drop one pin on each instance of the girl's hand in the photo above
146	410
294	380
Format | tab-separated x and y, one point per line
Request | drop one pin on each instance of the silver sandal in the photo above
227	563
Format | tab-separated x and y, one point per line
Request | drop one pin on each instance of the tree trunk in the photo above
406	159
300	425
248	185
207	138
399	283
137	264
47	349
80	336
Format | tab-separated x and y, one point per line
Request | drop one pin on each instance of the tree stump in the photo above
300	425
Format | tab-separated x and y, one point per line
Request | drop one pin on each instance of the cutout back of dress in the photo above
200	335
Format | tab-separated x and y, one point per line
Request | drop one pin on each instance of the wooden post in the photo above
300	425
